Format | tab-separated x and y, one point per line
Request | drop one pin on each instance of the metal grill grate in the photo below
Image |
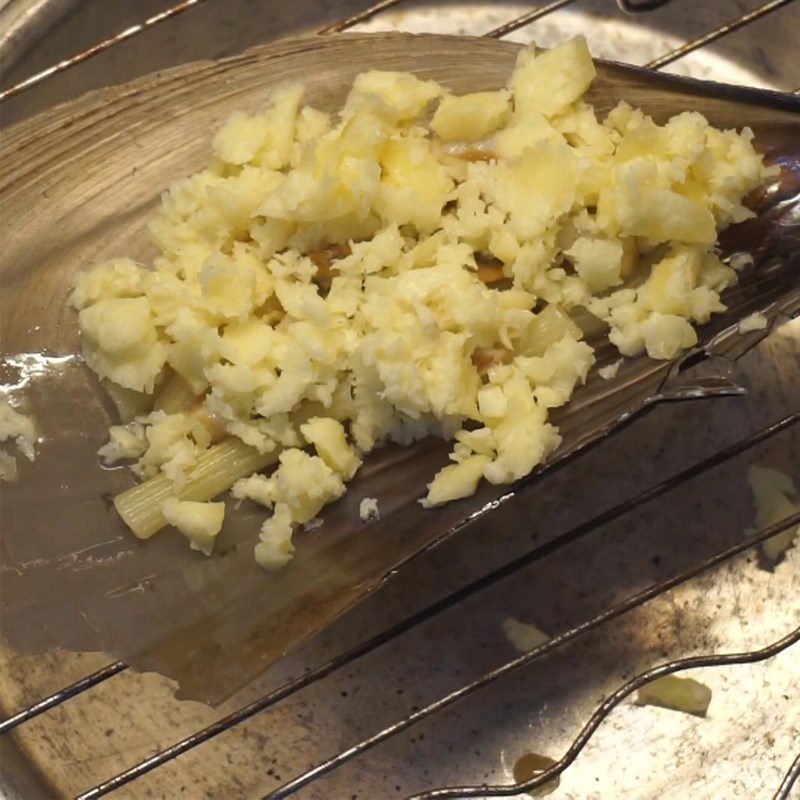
581	531
584	530
627	6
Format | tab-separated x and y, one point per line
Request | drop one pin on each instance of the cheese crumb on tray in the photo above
753	322
368	509
408	267
610	371
524	636
678	694
775	496
199	522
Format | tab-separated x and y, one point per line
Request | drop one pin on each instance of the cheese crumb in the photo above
368	509
124	442
456	481
471	116
739	261
678	694
304	484
524	636
776	498
330	441
753	322
275	548
610	371
198	522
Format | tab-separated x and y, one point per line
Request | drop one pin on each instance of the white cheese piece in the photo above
198	522
275	548
368	509
455	481
678	694
666	335
305	484
524	636
753	322
739	261
124	442
610	370
775	497
549	81
257	488
120	342
328	437
470	117
405	93
598	262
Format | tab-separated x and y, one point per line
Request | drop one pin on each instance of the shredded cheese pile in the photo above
331	283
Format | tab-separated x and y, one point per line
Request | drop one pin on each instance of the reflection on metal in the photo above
717	33
57	698
602	712
368	13
557	641
25	22
526	19
348	657
17	371
100	47
373	10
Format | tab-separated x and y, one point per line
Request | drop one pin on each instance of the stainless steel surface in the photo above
99	47
216	29
707	38
746	746
23	23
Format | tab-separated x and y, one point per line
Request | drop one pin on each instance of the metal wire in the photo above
322	671
624	5
717	33
527	19
361	16
62	696
602	713
266	701
100	47
627	6
613	612
789	780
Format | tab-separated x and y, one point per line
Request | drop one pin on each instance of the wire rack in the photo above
581	531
